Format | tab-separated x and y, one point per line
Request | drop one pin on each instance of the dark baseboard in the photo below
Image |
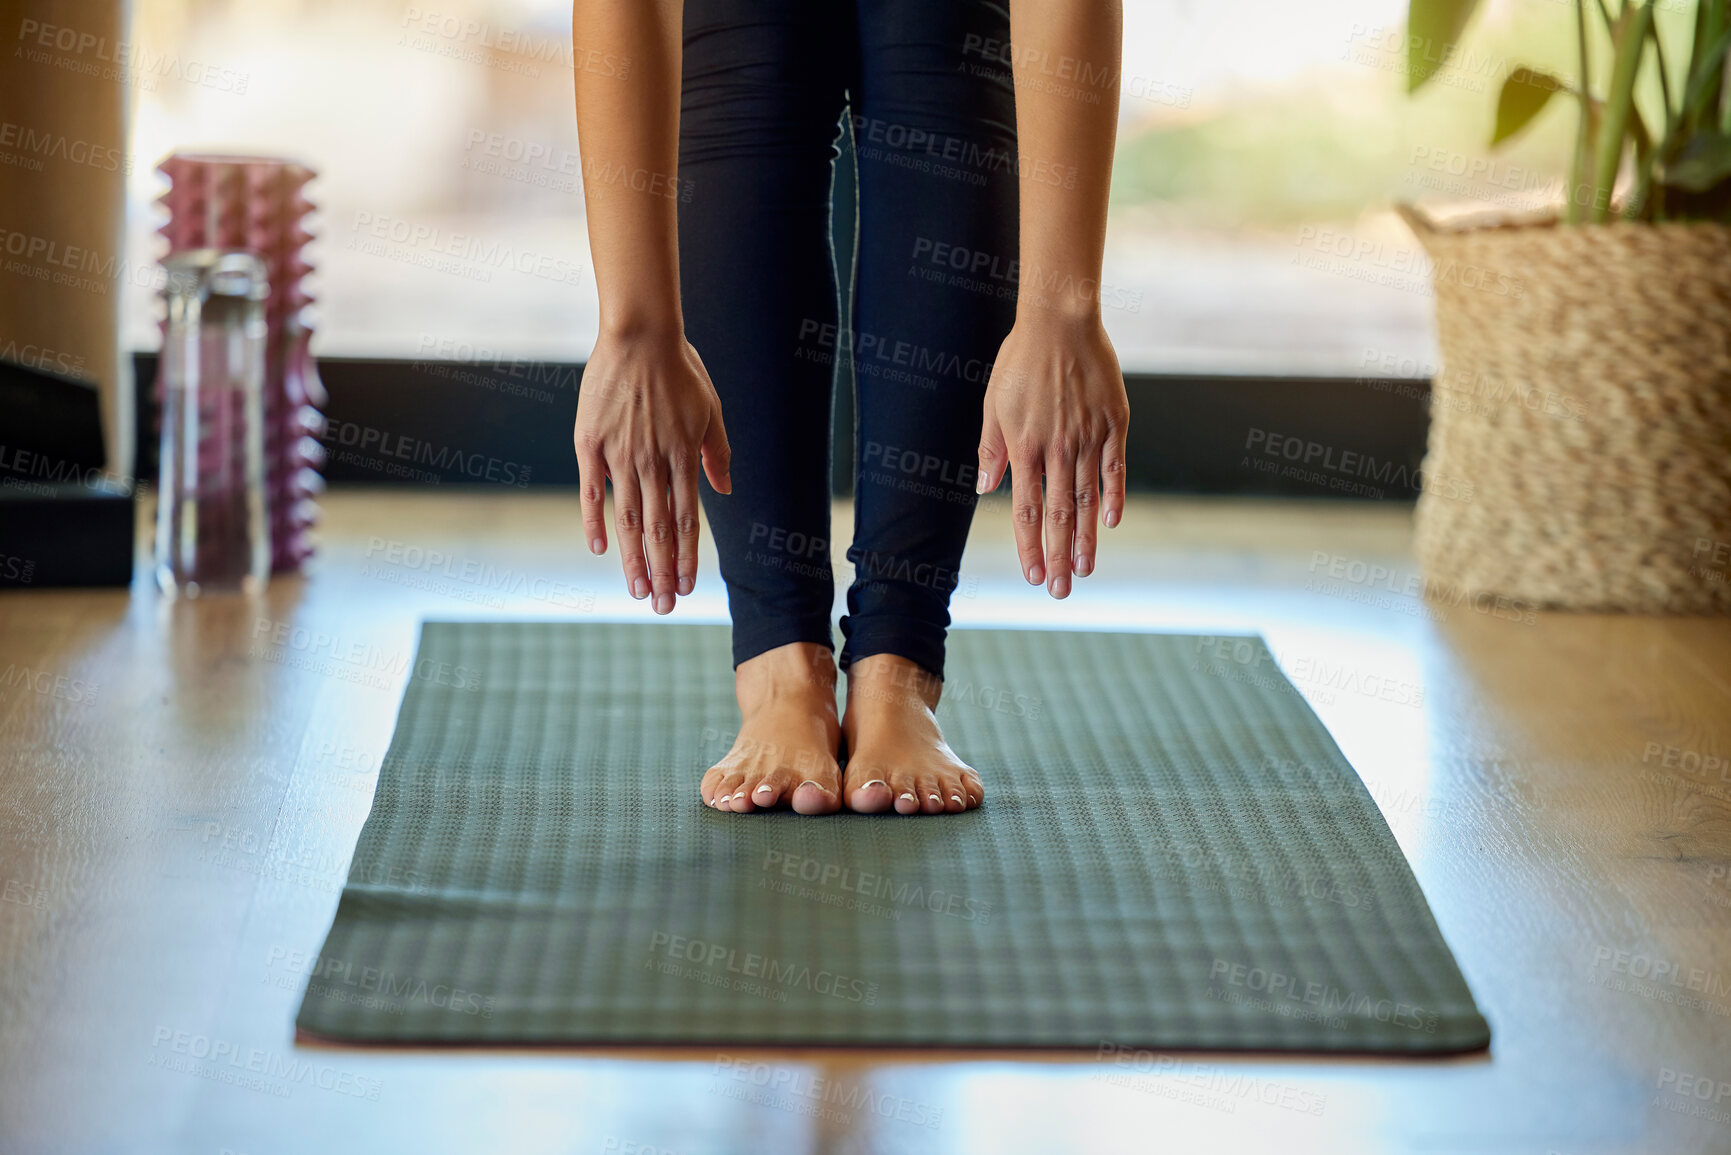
65	533
397	422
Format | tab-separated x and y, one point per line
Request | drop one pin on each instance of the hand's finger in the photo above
1087	508
628	520
1112	473
1060	519
658	534
1025	501
994	454
592	479
718	454
685	523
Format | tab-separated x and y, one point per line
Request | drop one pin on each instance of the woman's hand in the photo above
1055	407
646	415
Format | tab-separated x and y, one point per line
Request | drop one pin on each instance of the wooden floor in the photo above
179	800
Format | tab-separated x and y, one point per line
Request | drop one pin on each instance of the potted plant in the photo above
1583	401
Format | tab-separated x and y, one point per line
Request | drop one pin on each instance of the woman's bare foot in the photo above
897	757
785	752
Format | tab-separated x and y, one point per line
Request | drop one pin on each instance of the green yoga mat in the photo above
1173	853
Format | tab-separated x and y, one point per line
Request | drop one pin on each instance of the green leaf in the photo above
1631	41
1432	29
1525	94
1704	163
1704	77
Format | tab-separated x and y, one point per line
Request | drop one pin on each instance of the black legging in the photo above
928	90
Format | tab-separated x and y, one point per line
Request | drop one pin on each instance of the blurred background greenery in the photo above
1262	143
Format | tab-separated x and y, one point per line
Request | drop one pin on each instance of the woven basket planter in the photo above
1580	438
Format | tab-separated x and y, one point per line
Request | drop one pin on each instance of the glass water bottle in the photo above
212	528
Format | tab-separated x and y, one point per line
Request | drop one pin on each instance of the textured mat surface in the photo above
1172	853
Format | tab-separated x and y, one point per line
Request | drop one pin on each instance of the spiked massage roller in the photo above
257	204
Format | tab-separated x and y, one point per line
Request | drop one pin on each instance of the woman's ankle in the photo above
795	670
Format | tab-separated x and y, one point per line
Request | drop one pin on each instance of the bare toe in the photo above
955	798
973	788
813	797
906	791
728	785
788	736
867	790
766	793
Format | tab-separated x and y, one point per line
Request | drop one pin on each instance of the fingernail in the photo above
1111	518
685	585
663	603
1084	566
1060	586
640	588
597	546
1036	574
980	484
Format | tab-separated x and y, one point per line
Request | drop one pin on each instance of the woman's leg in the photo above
760	101
934	123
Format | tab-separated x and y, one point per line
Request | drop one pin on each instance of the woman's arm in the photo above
1055	406
646	411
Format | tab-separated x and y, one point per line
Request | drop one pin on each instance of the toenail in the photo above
875	782
935	798
910	797
818	786
956	798
765	788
